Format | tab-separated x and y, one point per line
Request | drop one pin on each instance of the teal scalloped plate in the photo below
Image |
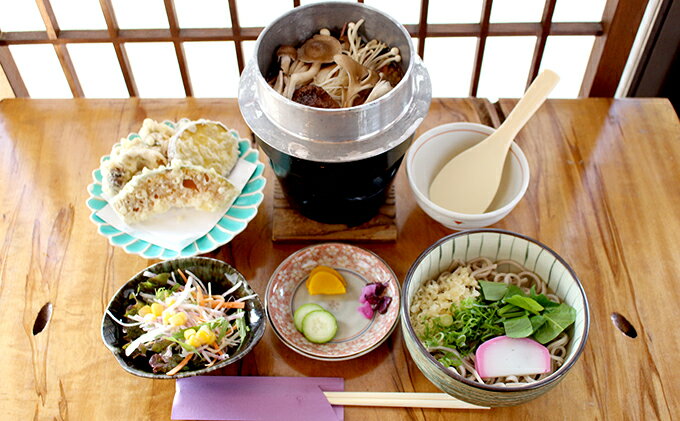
232	223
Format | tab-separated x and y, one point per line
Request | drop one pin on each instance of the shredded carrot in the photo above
216	303
186	281
180	366
232	304
199	296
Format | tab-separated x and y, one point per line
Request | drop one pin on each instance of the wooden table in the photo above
605	194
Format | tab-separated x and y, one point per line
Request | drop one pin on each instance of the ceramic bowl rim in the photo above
502	211
408	327
257	331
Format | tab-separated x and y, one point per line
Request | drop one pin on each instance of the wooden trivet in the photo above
290	225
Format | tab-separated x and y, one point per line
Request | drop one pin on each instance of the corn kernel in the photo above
170	301
194	341
144	311
178	319
167	315
157	309
189	333
149	317
205	336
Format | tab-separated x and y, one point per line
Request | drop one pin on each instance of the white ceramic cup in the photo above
434	148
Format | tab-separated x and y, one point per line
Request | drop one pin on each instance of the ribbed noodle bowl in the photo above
436	297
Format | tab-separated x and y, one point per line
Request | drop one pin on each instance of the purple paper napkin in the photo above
256	398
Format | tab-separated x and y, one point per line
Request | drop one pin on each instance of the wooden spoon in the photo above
468	183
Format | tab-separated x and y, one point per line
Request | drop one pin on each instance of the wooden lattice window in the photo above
466	44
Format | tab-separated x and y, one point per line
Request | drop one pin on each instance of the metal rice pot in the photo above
334	165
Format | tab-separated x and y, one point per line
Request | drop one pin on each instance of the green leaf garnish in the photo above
542	299
162	294
519	327
160	279
510	311
557	319
537	321
493	291
224	327
181	343
533	314
514	290
524	302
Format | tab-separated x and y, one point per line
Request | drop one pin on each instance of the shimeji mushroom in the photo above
365	66
316	51
287	54
278	84
373	55
370	54
380	89
360	77
333	80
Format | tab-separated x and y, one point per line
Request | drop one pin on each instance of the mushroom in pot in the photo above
287	54
391	73
360	78
314	96
363	71
380	89
316	51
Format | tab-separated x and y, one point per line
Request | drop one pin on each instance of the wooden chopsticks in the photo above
398	399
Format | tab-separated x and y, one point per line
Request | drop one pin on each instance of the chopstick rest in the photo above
256	398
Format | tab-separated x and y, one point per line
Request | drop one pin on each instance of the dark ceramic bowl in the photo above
207	270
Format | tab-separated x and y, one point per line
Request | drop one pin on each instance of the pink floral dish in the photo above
356	334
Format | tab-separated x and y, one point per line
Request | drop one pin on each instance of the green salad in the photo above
174	322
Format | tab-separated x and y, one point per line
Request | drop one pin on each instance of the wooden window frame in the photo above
614	38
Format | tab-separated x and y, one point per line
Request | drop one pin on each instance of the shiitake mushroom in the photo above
314	96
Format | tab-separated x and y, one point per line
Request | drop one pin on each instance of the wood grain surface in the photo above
605	194
289	225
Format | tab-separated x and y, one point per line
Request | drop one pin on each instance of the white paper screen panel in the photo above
449	45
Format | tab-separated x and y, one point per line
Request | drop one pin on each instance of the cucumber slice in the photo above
302	311
319	326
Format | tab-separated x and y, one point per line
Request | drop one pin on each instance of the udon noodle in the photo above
459	282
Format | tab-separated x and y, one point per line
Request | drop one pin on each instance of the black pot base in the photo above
349	193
